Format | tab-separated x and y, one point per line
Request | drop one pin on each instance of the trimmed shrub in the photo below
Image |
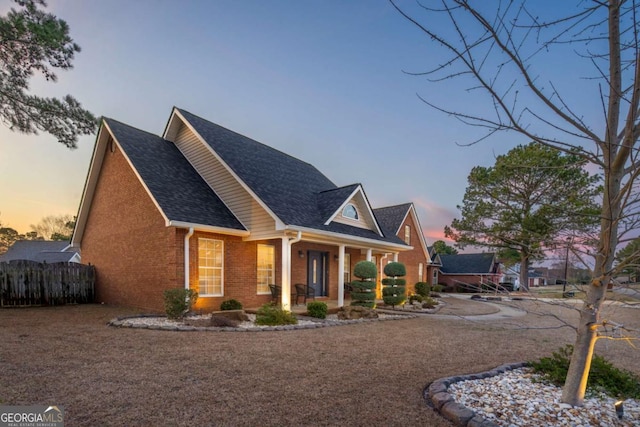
437	288
394	291
365	270
363	290
429	302
423	289
395	269
273	316
178	302
317	309
603	376
416	297
231	304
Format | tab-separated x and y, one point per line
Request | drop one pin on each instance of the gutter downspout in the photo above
186	257
286	270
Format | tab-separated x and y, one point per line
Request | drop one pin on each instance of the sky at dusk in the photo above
321	80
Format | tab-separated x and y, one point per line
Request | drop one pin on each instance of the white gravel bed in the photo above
513	399
162	321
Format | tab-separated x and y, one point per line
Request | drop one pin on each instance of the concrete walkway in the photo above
500	311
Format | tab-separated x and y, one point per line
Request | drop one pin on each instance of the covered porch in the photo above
324	263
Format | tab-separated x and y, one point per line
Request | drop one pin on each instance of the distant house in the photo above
205	208
434	267
459	271
41	251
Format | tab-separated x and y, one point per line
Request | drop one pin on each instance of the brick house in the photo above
209	209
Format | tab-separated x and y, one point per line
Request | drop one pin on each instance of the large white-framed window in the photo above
210	267
407	234
347	268
266	267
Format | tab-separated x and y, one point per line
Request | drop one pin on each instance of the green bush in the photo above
178	302
394	291
363	290
273	316
603	376
395	269
231	304
437	288
423	289
416	297
429	302
365	270
317	309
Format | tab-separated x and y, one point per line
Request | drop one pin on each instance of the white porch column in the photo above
340	275
285	285
395	257
286	270
369	254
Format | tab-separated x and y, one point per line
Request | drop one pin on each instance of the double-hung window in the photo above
211	267
266	267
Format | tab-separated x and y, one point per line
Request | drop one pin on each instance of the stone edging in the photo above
318	323
437	397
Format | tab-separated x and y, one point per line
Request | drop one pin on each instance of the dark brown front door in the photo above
316	274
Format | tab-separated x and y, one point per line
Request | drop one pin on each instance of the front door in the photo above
316	275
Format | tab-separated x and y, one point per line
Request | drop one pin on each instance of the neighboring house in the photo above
206	208
510	277
537	278
434	267
470	269
41	251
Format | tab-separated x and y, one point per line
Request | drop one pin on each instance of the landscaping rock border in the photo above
120	322
437	397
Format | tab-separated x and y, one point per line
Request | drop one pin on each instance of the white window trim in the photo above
268	291
355	209
407	236
221	294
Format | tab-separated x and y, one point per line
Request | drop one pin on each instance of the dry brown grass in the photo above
366	374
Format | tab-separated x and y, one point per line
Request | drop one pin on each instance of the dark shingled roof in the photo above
179	190
390	218
467	263
294	190
38	250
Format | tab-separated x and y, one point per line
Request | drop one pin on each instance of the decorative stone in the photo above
456	413
356	312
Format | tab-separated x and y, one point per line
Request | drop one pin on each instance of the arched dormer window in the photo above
350	211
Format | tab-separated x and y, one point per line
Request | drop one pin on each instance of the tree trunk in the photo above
524	273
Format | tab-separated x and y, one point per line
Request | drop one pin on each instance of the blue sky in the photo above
321	80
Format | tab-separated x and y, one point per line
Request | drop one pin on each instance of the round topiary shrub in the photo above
394	291
363	293
395	269
231	304
365	270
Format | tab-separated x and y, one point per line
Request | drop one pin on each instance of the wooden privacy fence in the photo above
28	283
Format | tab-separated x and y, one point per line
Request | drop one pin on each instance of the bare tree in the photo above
500	51
55	227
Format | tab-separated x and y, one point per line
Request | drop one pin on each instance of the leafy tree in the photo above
526	203
8	236
55	227
628	259
31	41
443	249
504	52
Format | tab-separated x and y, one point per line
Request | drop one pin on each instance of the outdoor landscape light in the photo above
619	409
301	254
